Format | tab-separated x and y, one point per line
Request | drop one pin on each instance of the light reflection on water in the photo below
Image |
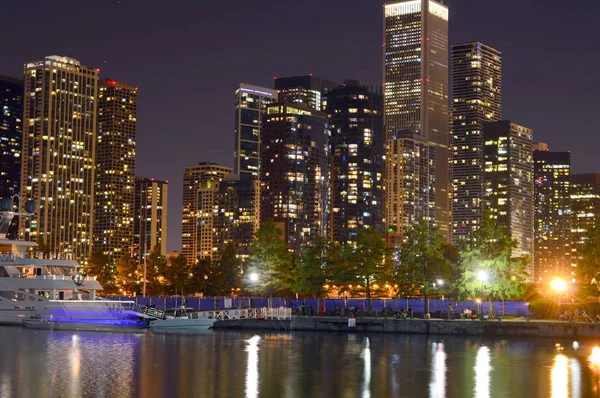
239	364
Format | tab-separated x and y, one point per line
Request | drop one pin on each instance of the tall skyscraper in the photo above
476	99
250	105
415	53
356	120
552	217
115	169
585	205
150	216
238	212
59	150
199	234
508	181
295	172
308	90
11	135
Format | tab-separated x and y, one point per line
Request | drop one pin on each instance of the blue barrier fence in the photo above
516	308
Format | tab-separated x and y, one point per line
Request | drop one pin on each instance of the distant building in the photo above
199	234
11	135
552	217
115	169
59	157
250	105
508	181
585	205
356	121
308	90
238	212
150	216
476	99
295	172
415	59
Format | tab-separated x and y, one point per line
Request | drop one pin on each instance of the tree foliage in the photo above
317	266
179	276
156	270
271	260
99	265
128	275
219	278
490	252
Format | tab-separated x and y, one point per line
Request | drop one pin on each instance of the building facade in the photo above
11	136
585	207
59	150
552	217
508	181
295	172
199	233
308	90
250	105
150	217
476	99
415	53
115	169
356	190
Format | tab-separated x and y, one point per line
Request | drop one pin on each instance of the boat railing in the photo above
52	277
146	310
244	313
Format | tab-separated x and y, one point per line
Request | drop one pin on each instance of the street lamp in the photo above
254	277
560	286
483	277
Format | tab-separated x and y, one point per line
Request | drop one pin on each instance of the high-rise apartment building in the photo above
308	90
295	172
115	169
585	207
508	181
552	217
250	105
356	190
59	150
415	53
11	135
199	233
476	99
150	216
238	212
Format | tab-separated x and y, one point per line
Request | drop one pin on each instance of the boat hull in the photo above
180	325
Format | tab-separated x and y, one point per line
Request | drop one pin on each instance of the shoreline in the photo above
508	328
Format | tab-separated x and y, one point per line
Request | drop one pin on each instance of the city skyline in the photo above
529	74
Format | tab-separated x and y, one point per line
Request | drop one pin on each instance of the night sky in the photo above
188	56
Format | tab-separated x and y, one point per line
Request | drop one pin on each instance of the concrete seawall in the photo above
420	326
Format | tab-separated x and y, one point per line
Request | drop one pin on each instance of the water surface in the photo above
36	363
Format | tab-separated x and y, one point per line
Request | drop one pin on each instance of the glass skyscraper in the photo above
11	135
415	53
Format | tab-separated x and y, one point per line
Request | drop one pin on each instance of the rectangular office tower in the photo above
199	234
508	181
476	99
295	172
552	218
415	53
356	120
11	135
250	105
115	169
308	90
585	206
59	151
150	217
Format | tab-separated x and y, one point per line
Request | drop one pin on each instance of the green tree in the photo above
128	274
368	261
271	261
179	276
156	270
42	247
202	277
489	254
421	262
588	267
99	265
315	267
228	273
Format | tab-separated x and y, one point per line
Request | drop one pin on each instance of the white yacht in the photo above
181	319
50	293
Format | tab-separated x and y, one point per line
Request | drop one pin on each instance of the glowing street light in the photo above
482	276
440	282
559	286
254	277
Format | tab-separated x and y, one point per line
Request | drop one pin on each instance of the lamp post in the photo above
560	286
483	277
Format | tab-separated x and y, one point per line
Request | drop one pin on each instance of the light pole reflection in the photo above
252	386
366	355
559	378
575	368
437	386
483	369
